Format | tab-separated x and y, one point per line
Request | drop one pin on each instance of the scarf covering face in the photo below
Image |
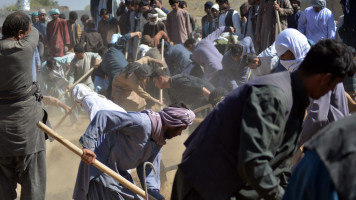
80	91
318	3
297	43
170	116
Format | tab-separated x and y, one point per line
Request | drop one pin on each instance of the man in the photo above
267	28
41	25
183	5
158	4
251	19
261	123
178	23
107	26
347	31
57	35
228	16
294	18
114	59
190	90
206	20
22	143
91	39
135	138
74	30
34	17
233	64
85	19
328	167
81	64
206	55
154	26
92	102
317	22
178	57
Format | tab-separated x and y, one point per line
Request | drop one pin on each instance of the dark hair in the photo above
14	23
78	48
137	68
249	58
189	41
217	95
83	18
222	1
102	51
182	3
237	50
62	16
297	1
329	56
91	24
73	15
104	11
51	62
171	2
158	73
144	3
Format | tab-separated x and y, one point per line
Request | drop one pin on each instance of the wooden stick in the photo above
127	49
138	44
162	58
96	164
249	75
202	108
277	17
65	116
78	81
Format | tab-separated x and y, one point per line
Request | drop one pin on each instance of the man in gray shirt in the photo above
22	143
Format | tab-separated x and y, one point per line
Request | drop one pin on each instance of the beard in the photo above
170	132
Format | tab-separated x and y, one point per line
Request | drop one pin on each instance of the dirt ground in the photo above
62	164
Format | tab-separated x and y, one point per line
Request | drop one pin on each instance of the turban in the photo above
54	11
150	15
34	14
80	91
42	11
318	3
175	117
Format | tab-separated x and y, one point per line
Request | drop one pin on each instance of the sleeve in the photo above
131	82
37	57
236	22
286	8
65	33
152	179
94	56
32	38
168	25
302	22
187	23
262	130
79	32
192	86
162	16
71	73
331	26
259	19
216	34
104	122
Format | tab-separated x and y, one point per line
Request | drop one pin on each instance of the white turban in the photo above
80	91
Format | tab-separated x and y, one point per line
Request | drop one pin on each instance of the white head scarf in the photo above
318	3
80	91
297	43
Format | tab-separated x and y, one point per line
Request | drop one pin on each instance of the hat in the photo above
41	11
54	11
215	6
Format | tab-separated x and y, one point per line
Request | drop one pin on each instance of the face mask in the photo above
290	65
153	23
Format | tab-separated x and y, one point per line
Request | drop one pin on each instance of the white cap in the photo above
215	6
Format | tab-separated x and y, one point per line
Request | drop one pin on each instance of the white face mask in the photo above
290	65
153	23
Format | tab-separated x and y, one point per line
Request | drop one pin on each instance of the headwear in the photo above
171	117
41	11
146	39
175	117
54	11
297	43
215	6
173	2
318	3
150	15
80	91
115	37
208	4
34	14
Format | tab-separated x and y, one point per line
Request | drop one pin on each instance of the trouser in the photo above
182	190
29	171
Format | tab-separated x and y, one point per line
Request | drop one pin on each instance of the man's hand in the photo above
70	87
88	156
138	34
232	29
97	63
158	102
276	6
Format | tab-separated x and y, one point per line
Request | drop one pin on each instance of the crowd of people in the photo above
277	84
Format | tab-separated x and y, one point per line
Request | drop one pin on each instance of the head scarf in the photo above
41	11
54	11
34	14
318	3
297	43
171	117
80	91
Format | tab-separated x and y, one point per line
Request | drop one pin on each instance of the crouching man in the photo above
124	141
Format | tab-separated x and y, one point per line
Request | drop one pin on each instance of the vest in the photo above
228	19
210	161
